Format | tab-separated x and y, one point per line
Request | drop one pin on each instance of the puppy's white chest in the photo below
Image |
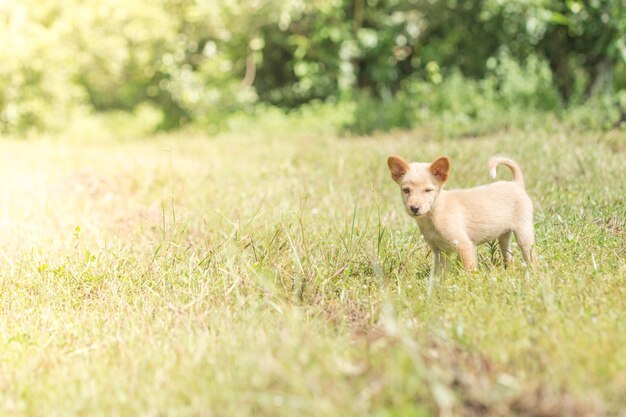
434	238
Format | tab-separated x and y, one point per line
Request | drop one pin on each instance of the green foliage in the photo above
201	61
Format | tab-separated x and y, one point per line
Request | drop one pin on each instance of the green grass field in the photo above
280	276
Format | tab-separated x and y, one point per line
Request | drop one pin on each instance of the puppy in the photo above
459	220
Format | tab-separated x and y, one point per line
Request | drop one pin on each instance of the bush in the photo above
379	115
599	113
511	95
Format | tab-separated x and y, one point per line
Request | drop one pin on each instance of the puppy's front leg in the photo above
438	262
467	252
435	270
444	263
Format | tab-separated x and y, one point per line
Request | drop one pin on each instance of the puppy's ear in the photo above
398	167
440	169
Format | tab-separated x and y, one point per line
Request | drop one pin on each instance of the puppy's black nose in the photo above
415	209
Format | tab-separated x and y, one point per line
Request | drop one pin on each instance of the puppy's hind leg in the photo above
504	241
525	238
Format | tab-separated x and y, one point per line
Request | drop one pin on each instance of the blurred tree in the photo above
590	35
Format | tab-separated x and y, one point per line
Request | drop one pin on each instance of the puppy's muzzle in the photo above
415	209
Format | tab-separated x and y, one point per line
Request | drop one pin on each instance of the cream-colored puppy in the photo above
458	220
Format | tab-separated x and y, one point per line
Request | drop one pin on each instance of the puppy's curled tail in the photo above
515	169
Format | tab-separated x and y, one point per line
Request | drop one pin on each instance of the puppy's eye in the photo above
429	190
406	190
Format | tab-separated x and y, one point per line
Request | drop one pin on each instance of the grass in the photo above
260	275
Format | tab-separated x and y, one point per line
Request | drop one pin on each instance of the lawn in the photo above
262	275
